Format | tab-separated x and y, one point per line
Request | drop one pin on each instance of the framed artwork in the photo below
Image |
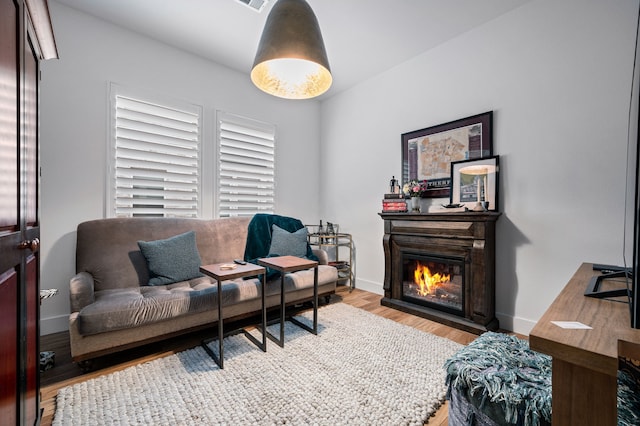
427	154
474	182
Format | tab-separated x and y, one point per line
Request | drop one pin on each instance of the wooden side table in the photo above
285	264
220	272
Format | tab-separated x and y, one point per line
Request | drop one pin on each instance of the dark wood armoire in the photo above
26	38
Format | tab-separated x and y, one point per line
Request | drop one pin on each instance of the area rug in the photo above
361	369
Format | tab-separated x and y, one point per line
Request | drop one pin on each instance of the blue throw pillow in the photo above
172	260
285	243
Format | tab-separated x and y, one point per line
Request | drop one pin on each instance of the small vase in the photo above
415	204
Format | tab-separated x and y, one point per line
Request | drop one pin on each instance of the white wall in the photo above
556	74
558	77
74	111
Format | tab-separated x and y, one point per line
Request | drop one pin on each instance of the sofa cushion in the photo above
173	259
117	309
285	243
124	308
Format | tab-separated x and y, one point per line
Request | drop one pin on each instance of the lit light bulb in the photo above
291	78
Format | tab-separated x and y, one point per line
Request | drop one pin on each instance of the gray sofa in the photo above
113	308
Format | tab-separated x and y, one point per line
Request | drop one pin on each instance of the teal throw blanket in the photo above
259	237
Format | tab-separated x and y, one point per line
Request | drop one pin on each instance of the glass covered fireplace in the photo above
441	266
433	282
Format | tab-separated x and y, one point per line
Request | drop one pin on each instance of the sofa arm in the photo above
322	255
81	291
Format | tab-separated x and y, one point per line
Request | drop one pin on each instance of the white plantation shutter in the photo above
156	158
246	164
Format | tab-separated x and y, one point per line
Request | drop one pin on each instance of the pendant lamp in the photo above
291	61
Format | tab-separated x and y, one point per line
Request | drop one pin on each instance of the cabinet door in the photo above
19	222
8	350
30	230
10	233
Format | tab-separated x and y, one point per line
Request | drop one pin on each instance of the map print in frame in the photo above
427	153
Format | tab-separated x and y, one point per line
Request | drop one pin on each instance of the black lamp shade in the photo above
291	61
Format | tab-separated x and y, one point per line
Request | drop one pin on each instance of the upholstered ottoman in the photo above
628	384
498	380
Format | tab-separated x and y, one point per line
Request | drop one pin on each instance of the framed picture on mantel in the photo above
474	183
427	153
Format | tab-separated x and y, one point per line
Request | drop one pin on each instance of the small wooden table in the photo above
585	362
285	264
219	273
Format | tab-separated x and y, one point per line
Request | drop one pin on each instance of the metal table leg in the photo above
263	328
218	360
280	342
313	330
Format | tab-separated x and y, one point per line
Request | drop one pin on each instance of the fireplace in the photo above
434	282
441	266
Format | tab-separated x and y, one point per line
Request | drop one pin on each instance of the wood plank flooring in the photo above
66	373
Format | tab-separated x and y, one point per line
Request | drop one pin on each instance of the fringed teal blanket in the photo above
629	392
501	374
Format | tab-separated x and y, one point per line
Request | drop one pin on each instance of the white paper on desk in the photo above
574	325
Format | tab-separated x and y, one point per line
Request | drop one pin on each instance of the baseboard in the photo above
515	324
369	286
55	324
523	326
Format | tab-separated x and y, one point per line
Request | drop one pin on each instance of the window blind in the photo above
157	158
246	164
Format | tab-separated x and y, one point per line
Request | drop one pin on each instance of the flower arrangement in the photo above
415	188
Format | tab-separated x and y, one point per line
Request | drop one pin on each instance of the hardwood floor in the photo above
66	373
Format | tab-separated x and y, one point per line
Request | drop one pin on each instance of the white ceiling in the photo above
363	37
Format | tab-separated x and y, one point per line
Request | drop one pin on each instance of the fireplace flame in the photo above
426	281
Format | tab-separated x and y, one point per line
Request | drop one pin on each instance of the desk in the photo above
285	264
220	272
585	362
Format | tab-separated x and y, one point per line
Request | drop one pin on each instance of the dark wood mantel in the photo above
466	235
489	216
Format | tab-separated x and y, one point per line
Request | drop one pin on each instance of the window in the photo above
155	157
246	164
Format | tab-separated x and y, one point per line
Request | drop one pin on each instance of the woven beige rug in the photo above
361	369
